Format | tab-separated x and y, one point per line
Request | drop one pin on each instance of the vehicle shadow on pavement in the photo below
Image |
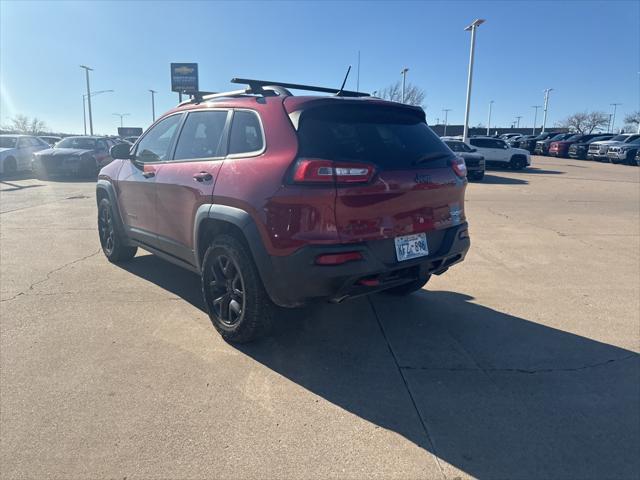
494	395
492	179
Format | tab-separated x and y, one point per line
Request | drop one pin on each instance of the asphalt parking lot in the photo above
522	362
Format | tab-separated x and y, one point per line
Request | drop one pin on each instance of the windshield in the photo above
596	139
77	142
618	138
387	137
458	146
8	142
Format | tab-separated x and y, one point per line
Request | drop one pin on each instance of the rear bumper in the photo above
476	166
296	280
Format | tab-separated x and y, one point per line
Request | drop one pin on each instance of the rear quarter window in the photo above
386	137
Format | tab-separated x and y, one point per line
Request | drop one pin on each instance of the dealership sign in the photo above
184	77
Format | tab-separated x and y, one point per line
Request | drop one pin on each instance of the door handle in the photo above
202	176
149	174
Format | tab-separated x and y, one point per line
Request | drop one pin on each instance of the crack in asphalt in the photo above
406	385
524	370
48	276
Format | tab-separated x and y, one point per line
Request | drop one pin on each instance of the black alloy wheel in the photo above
226	289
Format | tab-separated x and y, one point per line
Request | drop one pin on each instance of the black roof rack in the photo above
268	88
257	86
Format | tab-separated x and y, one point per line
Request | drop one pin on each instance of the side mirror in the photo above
120	151
473	149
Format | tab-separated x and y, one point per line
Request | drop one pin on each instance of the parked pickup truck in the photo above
579	150
624	153
598	150
542	146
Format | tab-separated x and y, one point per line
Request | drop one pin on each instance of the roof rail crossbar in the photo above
257	86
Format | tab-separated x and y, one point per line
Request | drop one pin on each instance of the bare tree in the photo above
413	95
585	122
632	121
26	125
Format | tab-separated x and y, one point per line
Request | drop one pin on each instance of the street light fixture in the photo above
446	117
84	110
546	105
121	115
86	71
153	104
473	27
489	119
403	72
535	117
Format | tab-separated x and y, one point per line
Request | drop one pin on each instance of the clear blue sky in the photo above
588	51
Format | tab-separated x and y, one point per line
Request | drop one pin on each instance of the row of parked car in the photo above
45	155
604	147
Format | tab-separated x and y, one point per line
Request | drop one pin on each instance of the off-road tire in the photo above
114	246
238	285
408	288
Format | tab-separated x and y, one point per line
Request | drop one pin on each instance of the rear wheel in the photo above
518	162
238	305
113	244
408	288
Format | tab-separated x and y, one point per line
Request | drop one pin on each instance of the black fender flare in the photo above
107	187
246	224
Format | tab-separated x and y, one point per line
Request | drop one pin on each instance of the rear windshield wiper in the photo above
431	156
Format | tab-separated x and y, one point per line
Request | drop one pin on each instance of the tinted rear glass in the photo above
386	137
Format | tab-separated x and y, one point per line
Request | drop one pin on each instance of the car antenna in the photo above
344	82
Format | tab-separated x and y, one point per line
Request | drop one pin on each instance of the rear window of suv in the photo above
387	137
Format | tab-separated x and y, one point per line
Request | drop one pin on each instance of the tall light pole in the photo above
403	72
489	119
153	104
86	71
518	121
84	110
473	27
535	117
446	117
546	105
121	115
613	120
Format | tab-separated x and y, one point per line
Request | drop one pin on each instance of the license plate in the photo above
411	246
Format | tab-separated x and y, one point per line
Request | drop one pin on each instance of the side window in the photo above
246	134
201	136
23	142
155	145
479	142
101	145
499	144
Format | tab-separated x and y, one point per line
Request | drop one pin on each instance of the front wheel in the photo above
113	245
408	288
238	305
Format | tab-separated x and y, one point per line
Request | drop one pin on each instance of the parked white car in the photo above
16	152
497	152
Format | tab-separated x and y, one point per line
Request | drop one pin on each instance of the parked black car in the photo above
474	161
542	146
530	143
516	142
83	156
579	150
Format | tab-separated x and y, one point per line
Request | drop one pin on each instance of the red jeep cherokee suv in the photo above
277	199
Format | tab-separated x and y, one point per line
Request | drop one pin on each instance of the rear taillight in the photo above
459	167
315	170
